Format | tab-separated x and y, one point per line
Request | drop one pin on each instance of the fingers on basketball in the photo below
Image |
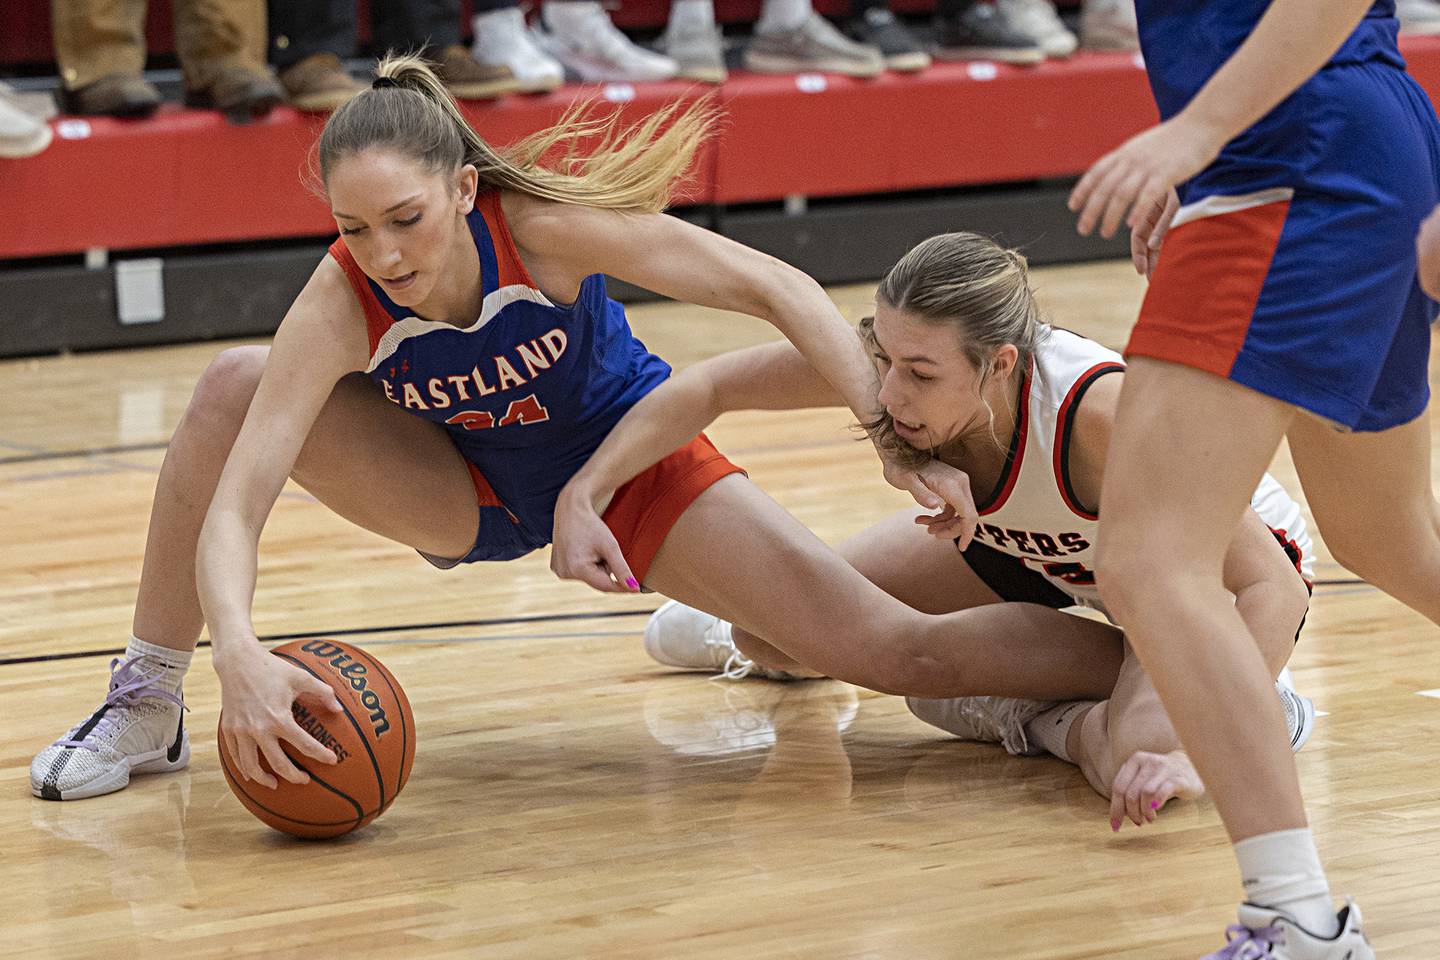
280	762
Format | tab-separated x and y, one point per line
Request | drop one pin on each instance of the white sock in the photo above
1282	870
1051	730
781	16
176	662
571	18
692	15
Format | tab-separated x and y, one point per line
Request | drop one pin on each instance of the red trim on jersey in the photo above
485	494
377	318
507	257
1202	296
1293	553
1062	446
1006	483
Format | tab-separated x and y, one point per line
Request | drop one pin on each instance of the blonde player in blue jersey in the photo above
448	367
971	375
1283	303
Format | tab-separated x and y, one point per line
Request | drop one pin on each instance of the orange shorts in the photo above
643	510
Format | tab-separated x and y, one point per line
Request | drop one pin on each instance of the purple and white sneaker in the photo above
1264	933
140	728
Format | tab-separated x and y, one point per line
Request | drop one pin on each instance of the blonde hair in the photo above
970	282
632	168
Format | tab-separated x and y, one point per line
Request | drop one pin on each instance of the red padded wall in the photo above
187	177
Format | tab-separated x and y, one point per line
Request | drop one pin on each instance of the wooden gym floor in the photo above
570	798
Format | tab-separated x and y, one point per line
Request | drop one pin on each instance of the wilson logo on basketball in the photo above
354	673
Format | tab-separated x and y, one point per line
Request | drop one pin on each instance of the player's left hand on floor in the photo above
1147	782
1129	182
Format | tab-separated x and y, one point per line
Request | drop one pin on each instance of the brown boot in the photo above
239	93
318	83
469	79
114	95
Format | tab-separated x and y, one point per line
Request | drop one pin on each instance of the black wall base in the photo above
245	292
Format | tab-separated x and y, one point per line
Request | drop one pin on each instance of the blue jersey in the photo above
1290	266
1186	41
527	391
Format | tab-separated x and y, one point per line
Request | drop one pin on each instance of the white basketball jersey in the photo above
1033	513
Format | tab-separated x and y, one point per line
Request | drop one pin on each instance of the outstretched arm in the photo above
772	376
691	264
321	339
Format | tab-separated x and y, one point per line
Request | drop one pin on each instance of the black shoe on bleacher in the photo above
240	94
984	32
878	27
113	95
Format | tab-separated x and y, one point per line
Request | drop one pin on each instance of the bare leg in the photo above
1169	516
1372	499
358	436
896	555
771	575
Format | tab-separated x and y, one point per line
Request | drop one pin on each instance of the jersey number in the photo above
524	411
1076	574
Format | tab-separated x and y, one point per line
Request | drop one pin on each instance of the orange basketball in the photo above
374	739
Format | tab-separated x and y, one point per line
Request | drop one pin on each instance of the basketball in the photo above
374	740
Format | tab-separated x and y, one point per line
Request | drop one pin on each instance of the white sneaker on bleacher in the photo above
1418	17
140	728
1038	20
681	636
587	43
1109	25
503	40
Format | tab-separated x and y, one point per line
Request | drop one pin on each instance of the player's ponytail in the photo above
980	288
600	163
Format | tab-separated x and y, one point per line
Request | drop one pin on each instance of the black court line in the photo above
87	452
356	631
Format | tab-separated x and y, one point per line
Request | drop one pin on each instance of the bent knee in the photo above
223	393
231	378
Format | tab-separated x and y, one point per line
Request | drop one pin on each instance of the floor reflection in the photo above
137	840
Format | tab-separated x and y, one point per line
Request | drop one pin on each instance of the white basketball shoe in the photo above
681	636
987	719
1264	933
140	728
1002	719
1299	712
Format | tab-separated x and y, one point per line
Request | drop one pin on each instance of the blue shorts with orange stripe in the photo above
639	515
1306	291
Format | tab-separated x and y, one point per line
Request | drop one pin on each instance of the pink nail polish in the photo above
632	583
1114	826
1154	804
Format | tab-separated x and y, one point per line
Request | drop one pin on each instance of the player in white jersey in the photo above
972	377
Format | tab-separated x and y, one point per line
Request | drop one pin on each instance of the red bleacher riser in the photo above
953	125
187	177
